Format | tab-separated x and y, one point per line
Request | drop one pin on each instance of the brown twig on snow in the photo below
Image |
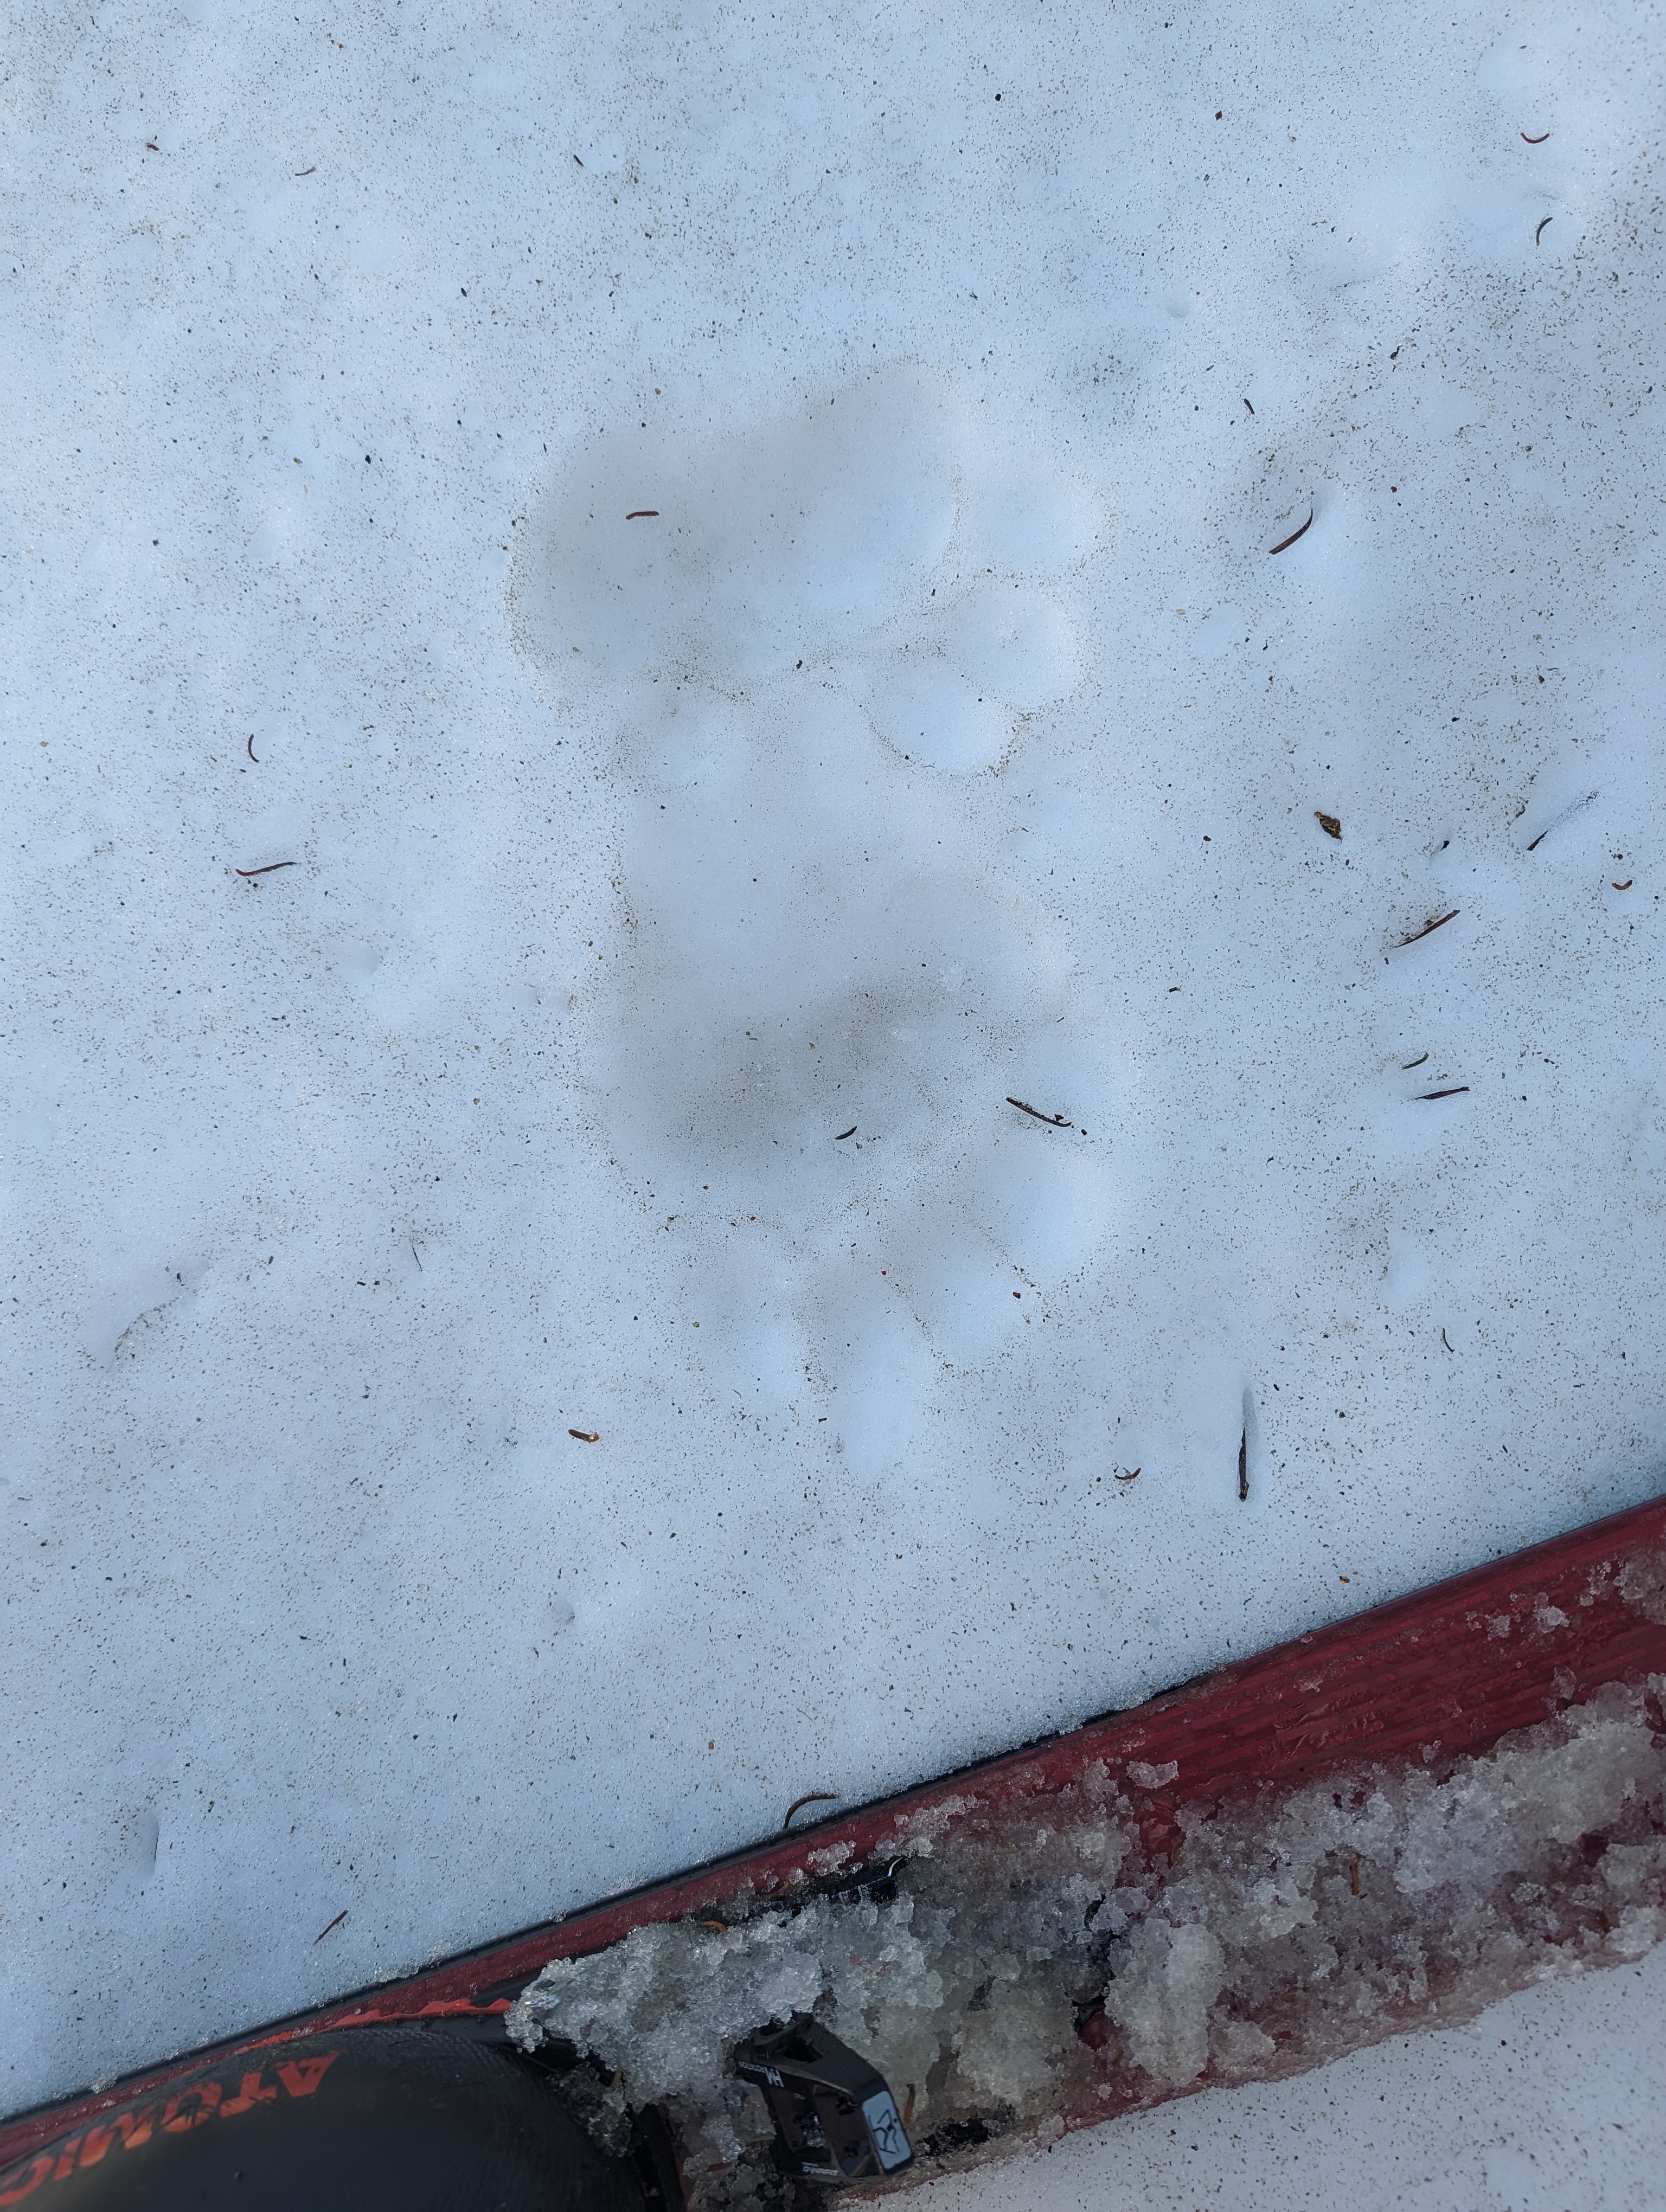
810	1797
1428	929
1053	1120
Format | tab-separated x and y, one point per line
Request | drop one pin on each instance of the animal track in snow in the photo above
810	636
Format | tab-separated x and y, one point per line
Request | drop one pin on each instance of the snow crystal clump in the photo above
1029	1966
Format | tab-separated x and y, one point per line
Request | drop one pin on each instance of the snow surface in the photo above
330	335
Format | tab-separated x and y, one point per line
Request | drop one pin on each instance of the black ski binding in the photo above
835	2120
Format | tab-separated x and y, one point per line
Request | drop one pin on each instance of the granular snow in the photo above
1022	1969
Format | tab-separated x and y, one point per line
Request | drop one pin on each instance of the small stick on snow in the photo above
1625	886
1455	1088
1567	815
1053	1120
586	1436
1407	1065
1429	927
1247	404
1244	1467
1285	543
1539	141
908	2108
336	1922
1451	1347
1134	1476
1540	232
810	1797
643	515
313	172
852	1130
268	869
254	756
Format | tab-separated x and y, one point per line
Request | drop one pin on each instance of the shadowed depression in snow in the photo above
827	983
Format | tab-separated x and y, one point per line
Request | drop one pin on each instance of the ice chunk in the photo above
1165	1980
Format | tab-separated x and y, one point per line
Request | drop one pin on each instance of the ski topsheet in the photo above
1390	1821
